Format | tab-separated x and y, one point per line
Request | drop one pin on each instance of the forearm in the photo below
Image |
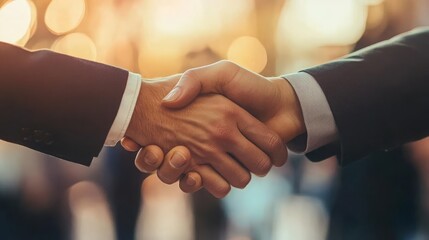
45	95
378	95
289	120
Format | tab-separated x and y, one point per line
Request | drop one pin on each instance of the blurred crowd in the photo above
384	196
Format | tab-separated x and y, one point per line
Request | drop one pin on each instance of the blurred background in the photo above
384	196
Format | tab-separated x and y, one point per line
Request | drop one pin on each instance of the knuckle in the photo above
222	132
226	111
231	69
263	166
229	110
190	74
243	181
227	64
205	153
227	119
274	143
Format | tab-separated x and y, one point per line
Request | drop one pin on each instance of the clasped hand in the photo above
218	124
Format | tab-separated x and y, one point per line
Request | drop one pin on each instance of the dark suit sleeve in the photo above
379	96
57	104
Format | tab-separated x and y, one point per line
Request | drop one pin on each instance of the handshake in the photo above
213	126
220	123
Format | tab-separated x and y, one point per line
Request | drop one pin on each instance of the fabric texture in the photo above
125	111
57	104
378	96
319	121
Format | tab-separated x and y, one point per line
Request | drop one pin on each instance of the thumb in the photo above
207	79
185	91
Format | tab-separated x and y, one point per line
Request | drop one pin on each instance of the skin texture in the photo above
271	100
224	143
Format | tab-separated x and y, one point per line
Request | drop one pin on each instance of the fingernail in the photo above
190	181
173	95
177	161
150	159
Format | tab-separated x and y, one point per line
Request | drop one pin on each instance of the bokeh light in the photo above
15	21
156	38
373	2
179	24
323	23
249	53
174	17
76	44
376	16
33	23
160	61
122	54
335	17
63	16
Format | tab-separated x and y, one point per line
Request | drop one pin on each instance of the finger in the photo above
175	163
213	182
207	79
130	145
231	170
149	158
191	182
264	139
250	156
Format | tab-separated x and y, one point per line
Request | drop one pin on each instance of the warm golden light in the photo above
169	30
179	24
377	16
192	24
336	17
321	23
249	53
33	24
76	44
63	16
177	17
374	2
15	21
160	61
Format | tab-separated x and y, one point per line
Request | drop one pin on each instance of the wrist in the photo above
140	112
148	111
290	109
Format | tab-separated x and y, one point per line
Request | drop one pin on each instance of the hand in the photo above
190	182
271	100
219	135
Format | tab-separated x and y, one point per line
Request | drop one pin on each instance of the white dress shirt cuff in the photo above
318	118
125	111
